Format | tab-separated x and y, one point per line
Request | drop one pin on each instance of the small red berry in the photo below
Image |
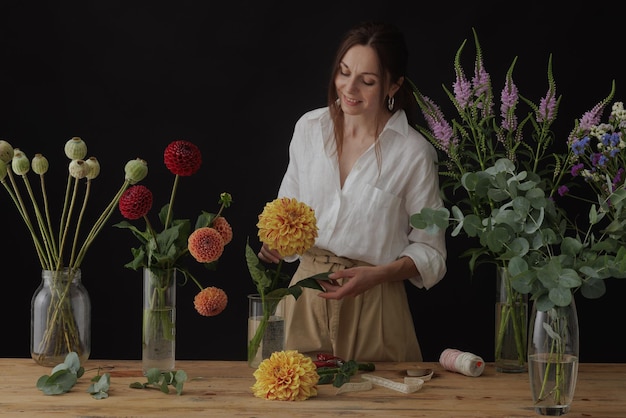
135	202
182	158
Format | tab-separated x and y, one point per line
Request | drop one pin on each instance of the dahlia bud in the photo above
75	148
20	163
40	164
94	167
6	151
78	169
136	170
3	170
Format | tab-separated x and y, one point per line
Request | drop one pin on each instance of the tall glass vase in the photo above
511	340
159	320
553	350
60	318
266	328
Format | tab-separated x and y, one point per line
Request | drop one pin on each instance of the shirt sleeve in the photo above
427	250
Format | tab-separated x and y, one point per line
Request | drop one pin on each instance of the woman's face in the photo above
358	82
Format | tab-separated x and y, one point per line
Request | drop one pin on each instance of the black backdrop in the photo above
233	79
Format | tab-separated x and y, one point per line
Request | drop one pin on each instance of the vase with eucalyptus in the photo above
511	326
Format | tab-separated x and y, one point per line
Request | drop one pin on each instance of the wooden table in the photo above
222	389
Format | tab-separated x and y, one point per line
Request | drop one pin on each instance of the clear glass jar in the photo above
553	353
511	330
159	320
60	318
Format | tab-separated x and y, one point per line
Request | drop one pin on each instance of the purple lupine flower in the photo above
482	88
547	107
576	169
462	89
563	190
441	129
509	98
587	120
481	79
591	117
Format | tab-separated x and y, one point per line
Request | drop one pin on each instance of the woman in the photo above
364	169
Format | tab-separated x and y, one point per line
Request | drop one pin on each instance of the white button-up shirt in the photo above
368	219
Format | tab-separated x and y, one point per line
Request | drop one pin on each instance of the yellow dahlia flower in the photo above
288	226
286	376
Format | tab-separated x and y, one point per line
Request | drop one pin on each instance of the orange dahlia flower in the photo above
210	301
206	244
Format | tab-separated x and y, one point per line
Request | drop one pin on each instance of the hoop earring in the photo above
390	102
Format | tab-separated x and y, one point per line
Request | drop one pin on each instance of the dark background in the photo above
233	79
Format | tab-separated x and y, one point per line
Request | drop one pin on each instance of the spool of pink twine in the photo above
462	362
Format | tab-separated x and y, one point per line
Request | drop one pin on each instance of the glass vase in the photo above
266	328
511	340
159	320
60	318
553	358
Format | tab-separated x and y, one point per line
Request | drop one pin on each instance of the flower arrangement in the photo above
286	376
61	247
508	192
164	252
290	227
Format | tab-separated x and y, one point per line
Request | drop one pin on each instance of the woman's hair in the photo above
390	47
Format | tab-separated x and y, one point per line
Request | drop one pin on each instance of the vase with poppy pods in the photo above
159	320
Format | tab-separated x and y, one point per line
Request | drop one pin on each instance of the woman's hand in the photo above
356	280
269	256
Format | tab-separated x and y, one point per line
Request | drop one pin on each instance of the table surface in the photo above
222	389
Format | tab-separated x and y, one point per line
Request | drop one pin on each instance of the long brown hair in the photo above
389	44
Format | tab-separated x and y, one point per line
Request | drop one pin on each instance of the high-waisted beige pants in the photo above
374	326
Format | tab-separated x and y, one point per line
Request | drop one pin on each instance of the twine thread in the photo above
462	362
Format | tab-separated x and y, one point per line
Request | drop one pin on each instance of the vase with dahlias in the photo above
60	307
288	226
161	254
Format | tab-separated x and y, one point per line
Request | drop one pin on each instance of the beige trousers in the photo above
374	326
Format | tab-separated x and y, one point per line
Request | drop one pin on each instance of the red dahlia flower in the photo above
182	158
136	202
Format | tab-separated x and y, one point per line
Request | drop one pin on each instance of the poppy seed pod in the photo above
40	164
75	148
94	167
20	163
3	170
6	151
78	169
136	170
